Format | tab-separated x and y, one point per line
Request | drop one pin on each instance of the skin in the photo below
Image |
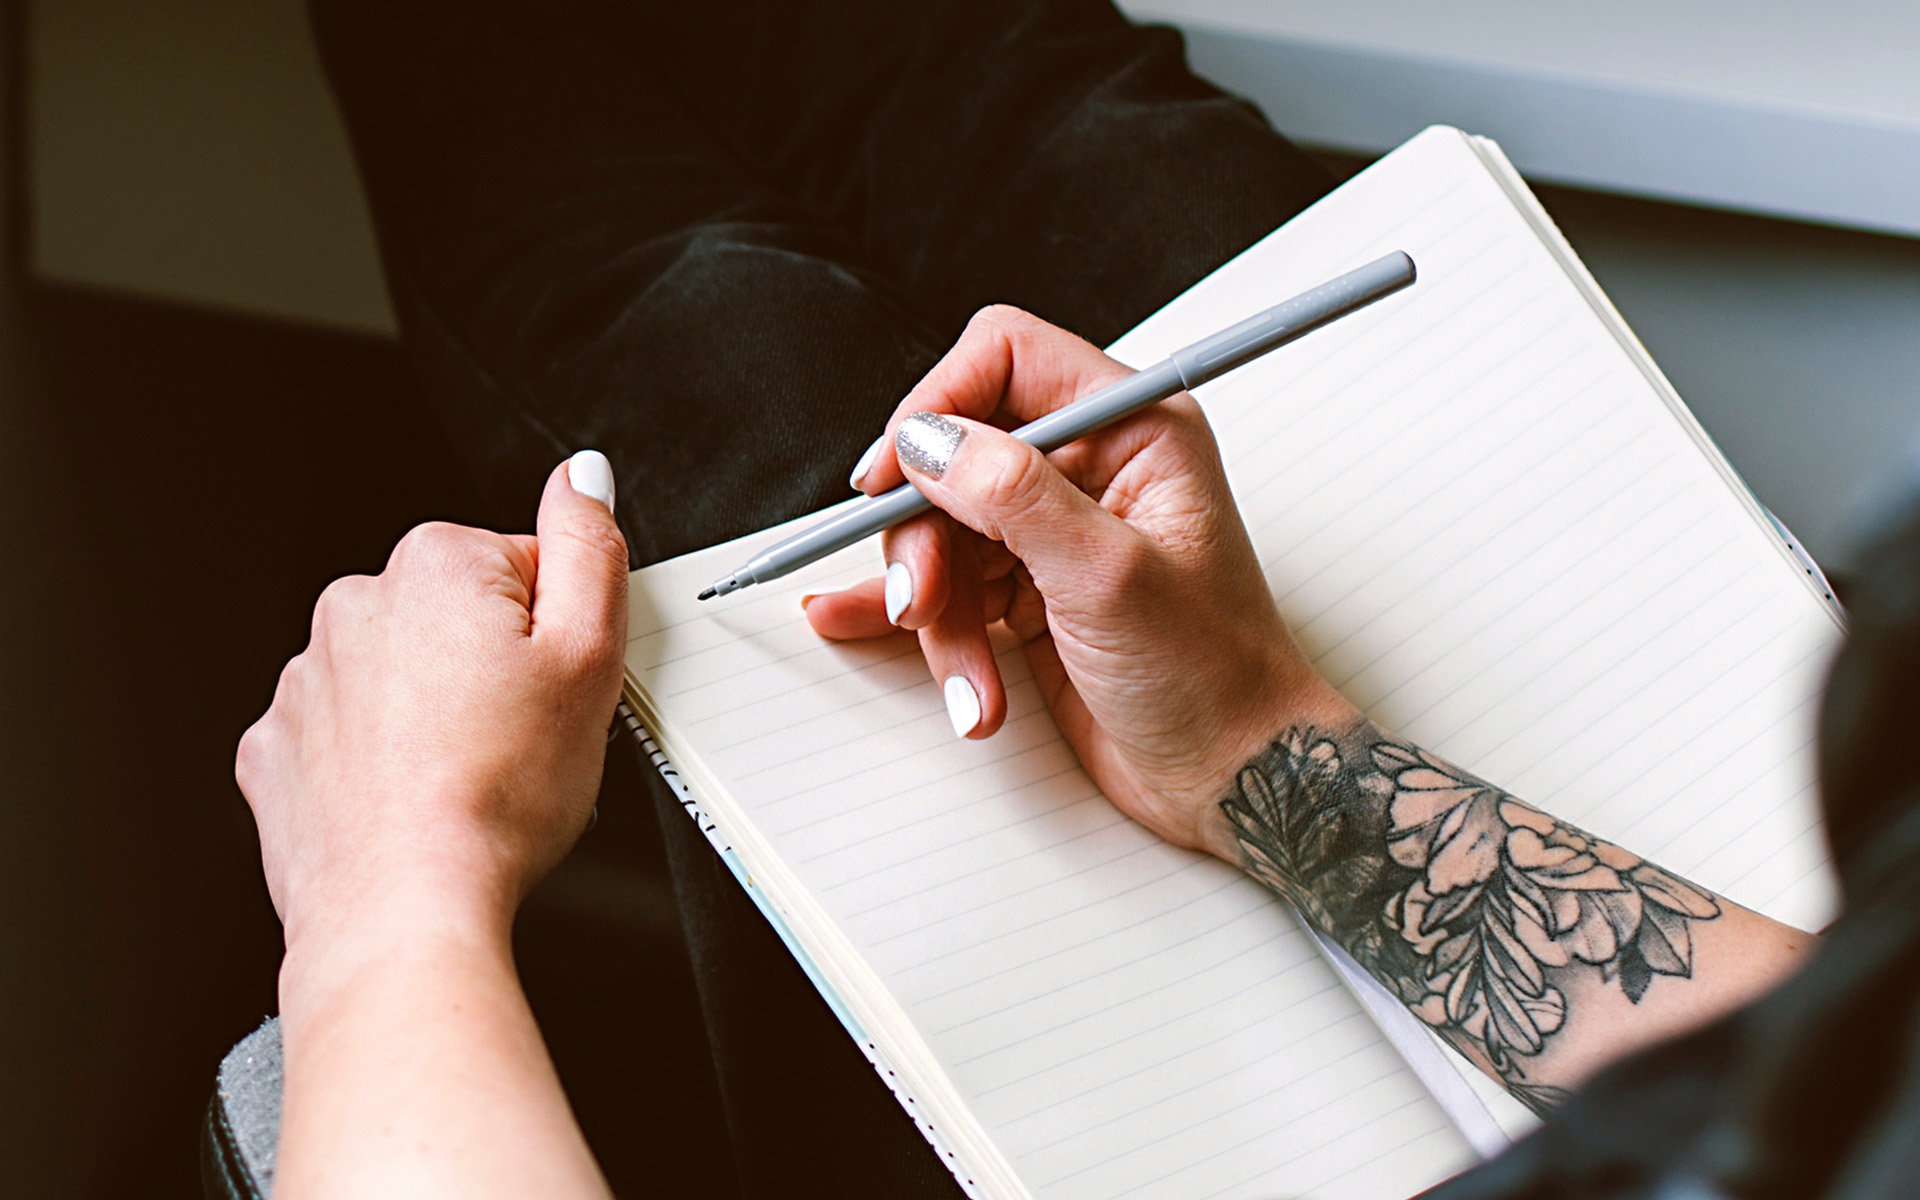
432	753
437	747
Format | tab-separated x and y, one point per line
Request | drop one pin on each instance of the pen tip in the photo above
708	593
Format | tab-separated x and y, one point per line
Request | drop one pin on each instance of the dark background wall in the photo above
176	486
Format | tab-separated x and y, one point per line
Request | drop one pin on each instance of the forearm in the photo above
414	1068
1538	950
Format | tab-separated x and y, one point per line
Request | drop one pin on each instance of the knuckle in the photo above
337	602
1002	326
246	756
1020	328
596	536
250	757
1014	482
1005	317
327	609
431	544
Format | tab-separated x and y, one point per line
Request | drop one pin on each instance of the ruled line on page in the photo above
1142	1068
1300	1036
978	980
1353	1087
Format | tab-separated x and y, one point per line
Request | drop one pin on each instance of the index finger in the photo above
1008	368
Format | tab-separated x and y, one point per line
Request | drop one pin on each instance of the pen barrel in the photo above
1187	368
835	533
1294	318
1102	408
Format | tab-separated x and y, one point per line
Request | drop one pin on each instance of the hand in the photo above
1120	561
437	747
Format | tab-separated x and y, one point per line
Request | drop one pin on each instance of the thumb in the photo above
999	486
580	589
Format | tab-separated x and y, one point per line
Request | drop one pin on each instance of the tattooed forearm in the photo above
1474	907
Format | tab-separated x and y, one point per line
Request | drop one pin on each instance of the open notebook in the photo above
1489	521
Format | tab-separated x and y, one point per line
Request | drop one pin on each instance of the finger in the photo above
1008	367
996	595
523	551
917	553
858	612
1006	490
867	459
995	560
580	592
1026	612
960	655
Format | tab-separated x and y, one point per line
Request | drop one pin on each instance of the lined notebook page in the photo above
1484	526
1487	530
1122	1018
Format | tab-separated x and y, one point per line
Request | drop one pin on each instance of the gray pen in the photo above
1206	359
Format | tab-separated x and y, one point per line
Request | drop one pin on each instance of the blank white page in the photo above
1483	523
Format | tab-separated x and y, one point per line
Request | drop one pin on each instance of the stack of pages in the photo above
1490	522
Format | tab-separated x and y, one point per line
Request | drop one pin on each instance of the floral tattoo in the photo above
1466	902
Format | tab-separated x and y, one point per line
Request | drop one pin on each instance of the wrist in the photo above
1300	700
335	946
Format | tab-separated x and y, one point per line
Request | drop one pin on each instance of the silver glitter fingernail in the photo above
926	442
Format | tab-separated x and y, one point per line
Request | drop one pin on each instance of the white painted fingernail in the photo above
865	464
899	591
592	475
963	705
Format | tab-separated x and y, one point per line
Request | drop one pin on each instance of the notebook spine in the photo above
874	1055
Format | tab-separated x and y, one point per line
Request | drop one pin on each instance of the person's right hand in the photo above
1120	561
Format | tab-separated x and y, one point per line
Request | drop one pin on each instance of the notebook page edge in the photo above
1543	226
875	1056
857	986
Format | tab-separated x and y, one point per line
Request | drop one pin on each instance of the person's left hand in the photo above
437	747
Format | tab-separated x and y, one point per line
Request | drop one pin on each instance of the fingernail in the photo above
865	464
963	704
926	442
899	591
807	599
592	476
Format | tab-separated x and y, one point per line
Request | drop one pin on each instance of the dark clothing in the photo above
720	241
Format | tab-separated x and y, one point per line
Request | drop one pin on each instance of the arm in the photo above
414	1067
1537	950
1121	562
429	756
